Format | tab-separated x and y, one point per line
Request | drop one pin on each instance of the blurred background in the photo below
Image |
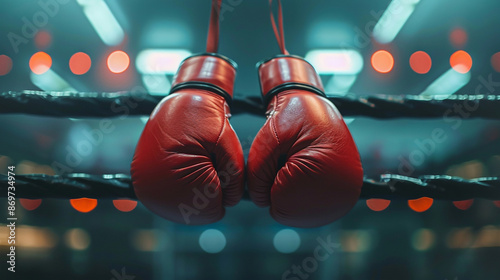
360	47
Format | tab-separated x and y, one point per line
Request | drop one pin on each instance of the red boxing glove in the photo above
303	163
189	163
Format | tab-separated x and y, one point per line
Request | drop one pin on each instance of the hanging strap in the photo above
213	29
280	35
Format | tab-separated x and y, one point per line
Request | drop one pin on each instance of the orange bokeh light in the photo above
80	63
30	204
420	62
118	61
463	204
83	205
382	61
40	63
458	37
497	203
421	204
125	205
43	39
5	65
376	204
461	62
495	61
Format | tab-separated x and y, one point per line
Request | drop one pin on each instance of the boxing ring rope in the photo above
112	104
389	186
115	186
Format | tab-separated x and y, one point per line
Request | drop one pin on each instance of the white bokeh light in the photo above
212	241
286	241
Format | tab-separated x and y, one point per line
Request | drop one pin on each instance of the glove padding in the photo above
303	163
189	163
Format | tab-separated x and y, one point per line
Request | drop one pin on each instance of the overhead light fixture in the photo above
336	61
448	83
103	21
393	19
160	61
50	81
343	65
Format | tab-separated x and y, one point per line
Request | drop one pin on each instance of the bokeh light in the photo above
421	204
382	61
377	204
30	204
83	205
487	237
80	63
423	239
286	241
5	161
118	62
497	203
40	63
463	204
77	239
355	241
43	39
27	167
149	240
420	62
33	237
125	205
458	37
212	241
459	238
495	61
461	62
5	65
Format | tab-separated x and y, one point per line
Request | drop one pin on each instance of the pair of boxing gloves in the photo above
303	164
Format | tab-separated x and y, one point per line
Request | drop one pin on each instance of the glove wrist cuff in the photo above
208	71
286	72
